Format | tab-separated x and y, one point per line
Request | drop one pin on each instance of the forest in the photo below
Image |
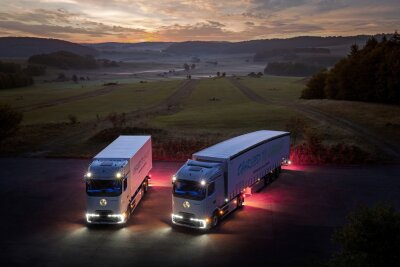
370	74
12	75
64	60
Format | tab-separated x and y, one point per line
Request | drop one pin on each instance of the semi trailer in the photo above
212	184
117	179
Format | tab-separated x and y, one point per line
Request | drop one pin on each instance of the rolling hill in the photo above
27	46
254	46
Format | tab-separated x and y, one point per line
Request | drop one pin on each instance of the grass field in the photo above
216	104
380	118
275	88
215	110
43	92
125	98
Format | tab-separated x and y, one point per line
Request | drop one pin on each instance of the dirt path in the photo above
313	113
85	130
94	93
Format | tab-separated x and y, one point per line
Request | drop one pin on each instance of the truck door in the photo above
211	199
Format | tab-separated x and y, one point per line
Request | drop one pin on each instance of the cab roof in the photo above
124	147
197	170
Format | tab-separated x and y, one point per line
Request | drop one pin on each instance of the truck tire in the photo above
215	220
240	201
276	173
145	186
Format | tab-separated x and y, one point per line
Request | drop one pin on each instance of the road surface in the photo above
286	224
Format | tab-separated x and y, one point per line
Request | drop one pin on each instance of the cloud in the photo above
177	20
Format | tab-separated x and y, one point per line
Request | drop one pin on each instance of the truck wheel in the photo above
280	169
215	220
276	173
145	186
240	201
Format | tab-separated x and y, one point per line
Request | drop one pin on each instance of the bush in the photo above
73	119
315	86
296	127
9	121
370	238
117	120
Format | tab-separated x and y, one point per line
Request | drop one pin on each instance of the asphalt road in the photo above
286	224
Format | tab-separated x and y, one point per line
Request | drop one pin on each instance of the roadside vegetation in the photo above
9	121
370	74
370	238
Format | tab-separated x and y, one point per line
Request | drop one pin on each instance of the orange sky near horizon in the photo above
89	21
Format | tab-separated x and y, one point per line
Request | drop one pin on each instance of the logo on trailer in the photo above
186	204
103	202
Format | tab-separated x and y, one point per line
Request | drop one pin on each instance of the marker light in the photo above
203	183
118	175
226	200
173	178
88	174
289	162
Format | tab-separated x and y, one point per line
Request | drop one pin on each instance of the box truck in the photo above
117	179
212	184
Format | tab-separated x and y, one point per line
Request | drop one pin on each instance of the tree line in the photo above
370	74
12	75
65	60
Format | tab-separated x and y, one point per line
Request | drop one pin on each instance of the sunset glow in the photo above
171	20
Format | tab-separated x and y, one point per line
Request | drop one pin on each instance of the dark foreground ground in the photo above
286	224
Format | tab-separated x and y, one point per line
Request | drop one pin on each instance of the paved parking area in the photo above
289	222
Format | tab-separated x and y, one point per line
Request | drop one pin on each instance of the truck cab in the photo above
197	192
106	189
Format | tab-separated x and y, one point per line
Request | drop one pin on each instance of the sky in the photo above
93	21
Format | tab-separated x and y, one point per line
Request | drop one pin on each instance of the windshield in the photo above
189	189
103	188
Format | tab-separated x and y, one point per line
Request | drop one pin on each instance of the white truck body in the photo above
117	179
228	168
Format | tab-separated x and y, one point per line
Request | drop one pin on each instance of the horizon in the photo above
123	21
215	41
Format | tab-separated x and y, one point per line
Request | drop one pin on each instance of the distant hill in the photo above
130	47
254	46
28	46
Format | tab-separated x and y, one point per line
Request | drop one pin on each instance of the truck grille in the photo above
104	217
186	220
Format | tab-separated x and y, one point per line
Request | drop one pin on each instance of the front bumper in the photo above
189	221
105	218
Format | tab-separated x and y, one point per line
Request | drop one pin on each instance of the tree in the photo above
75	78
10	120
186	67
193	66
218	74
354	49
369	74
315	87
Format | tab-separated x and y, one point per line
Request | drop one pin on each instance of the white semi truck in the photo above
212	184
117	179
